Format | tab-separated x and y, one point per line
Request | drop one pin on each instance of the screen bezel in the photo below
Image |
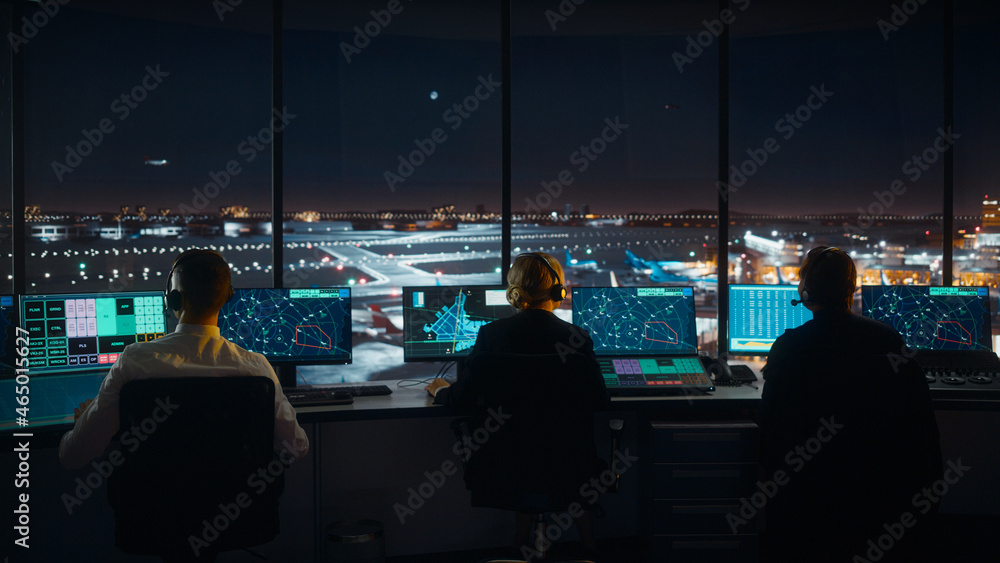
606	353
408	298
731	318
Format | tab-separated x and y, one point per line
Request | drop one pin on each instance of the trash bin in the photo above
358	541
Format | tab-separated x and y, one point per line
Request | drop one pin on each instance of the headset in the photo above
558	291
816	259
172	298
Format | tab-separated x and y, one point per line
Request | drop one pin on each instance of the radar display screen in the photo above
87	331
301	326
759	314
441	323
932	318
637	320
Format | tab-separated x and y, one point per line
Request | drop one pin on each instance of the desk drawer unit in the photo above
700	473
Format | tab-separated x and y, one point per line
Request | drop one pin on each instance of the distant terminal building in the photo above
989	232
991	214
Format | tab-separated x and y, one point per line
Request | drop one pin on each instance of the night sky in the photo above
353	119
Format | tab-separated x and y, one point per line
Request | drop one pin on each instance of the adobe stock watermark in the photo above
222	7
589	492
30	28
913	169
456	116
464	448
696	44
131	440
898	17
364	35
922	503
582	158
258	481
796	459
786	126
121	107
565	9
248	149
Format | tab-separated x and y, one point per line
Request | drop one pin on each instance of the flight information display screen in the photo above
86	331
307	326
637	320
759	314
932	318
441	323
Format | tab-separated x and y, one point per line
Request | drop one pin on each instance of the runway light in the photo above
83	266
351	282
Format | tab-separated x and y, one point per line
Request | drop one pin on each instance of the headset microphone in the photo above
797	302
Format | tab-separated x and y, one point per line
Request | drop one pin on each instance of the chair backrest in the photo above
190	444
533	424
857	437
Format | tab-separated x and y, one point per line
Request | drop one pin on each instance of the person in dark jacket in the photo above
848	435
535	289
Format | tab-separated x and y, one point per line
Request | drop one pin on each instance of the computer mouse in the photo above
342	395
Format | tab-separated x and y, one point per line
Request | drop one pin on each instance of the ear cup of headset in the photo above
172	298
558	291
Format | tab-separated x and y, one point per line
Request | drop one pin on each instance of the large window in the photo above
614	143
149	129
836	140
392	167
977	120
147	132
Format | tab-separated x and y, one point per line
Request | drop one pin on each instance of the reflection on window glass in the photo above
392	167
140	144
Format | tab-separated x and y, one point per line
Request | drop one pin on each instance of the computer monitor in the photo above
441	323
291	326
759	314
87	331
637	320
932	317
8	332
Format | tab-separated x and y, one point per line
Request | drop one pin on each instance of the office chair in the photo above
190	445
532	421
858	439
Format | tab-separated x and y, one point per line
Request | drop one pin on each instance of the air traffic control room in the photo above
371	172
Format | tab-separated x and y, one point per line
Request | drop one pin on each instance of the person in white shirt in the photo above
198	285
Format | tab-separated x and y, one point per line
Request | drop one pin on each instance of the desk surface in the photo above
54	396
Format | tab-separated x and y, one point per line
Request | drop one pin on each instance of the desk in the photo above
963	436
414	403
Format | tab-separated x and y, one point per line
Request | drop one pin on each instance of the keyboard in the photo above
318	396
955	368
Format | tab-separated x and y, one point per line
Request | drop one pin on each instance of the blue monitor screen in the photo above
637	320
441	323
8	332
759	314
299	326
87	331
932	318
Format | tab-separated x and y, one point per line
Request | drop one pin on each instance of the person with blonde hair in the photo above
535	288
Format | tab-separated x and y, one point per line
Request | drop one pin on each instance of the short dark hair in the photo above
205	277
829	277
